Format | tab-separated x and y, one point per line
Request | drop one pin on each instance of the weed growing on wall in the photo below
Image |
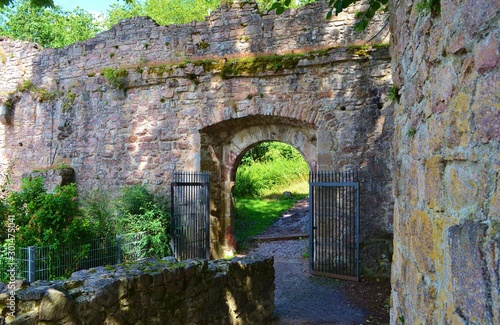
393	93
116	77
425	7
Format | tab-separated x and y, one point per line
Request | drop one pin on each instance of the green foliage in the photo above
140	210
394	93
40	94
410	133
338	6
164	12
267	168
116	77
35	3
270	151
425	7
49	27
52	219
58	220
97	206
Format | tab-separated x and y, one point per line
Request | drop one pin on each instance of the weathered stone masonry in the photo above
447	149
139	101
240	291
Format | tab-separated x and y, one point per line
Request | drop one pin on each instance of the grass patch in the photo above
254	215
269	178
265	173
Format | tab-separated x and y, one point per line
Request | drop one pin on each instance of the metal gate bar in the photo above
334	222
190	215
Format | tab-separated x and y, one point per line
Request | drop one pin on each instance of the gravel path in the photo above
301	298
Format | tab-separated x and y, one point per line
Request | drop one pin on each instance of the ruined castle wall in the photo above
447	150
139	101
240	291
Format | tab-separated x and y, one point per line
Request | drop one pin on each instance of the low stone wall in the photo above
239	291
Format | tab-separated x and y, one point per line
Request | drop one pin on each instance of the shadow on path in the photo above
301	298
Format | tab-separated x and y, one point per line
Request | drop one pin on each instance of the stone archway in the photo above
223	146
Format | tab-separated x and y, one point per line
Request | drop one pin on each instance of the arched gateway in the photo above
140	101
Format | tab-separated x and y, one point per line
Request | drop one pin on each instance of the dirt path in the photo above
301	298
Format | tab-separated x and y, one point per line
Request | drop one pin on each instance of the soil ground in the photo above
301	298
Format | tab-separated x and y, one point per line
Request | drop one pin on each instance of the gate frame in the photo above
198	179
354	182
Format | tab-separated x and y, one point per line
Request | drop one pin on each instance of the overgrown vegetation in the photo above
269	168
42	22
63	219
265	172
49	27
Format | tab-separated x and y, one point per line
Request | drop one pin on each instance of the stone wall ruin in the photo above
240	291
139	101
447	172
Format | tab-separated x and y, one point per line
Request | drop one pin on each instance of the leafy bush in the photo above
43	218
98	207
140	210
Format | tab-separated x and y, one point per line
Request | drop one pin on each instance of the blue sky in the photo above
88	5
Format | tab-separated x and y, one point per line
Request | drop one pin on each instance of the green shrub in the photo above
98	207
43	218
140	210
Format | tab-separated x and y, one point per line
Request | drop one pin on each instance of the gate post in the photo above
31	264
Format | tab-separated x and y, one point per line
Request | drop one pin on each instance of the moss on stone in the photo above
202	45
60	166
243	66
3	56
68	101
115	77
255	65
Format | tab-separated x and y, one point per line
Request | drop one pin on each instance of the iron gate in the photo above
190	219
334	222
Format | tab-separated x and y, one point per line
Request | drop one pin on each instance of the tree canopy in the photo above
47	26
164	12
39	3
